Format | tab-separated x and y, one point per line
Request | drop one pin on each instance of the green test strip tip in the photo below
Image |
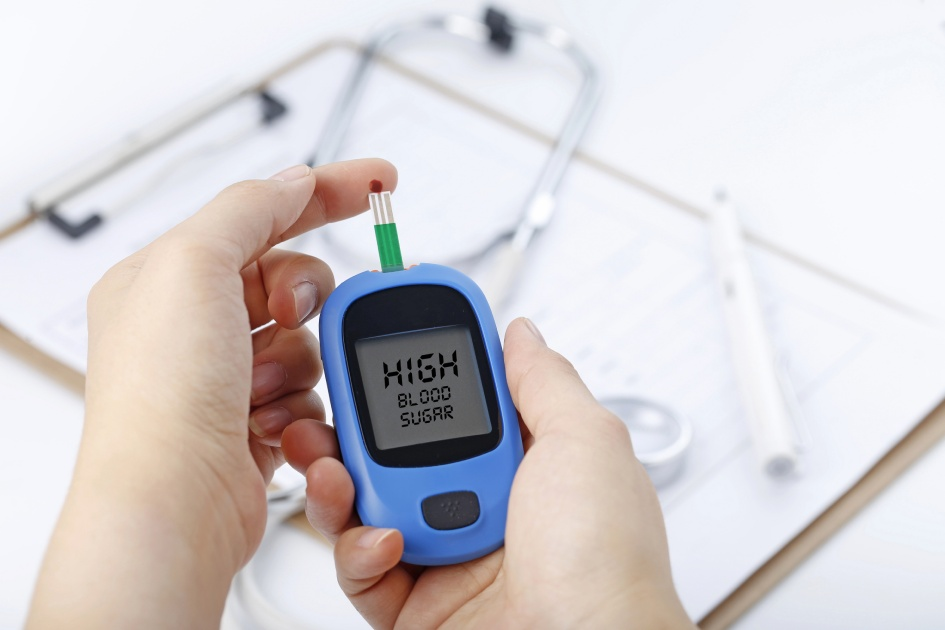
385	230
388	247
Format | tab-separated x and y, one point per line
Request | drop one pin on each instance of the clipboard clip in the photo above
47	200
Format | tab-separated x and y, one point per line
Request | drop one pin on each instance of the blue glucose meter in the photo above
421	407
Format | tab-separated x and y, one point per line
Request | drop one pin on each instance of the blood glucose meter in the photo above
421	407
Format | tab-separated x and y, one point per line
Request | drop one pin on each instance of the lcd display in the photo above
422	386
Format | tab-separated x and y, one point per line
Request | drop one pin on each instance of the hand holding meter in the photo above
422	410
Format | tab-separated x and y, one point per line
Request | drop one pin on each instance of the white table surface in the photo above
885	568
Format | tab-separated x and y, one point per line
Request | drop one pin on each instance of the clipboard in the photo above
894	462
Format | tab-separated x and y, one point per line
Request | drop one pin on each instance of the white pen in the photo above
762	394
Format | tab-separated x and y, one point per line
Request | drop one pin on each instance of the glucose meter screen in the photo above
422	386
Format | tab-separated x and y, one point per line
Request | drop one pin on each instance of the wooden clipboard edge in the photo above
925	435
16	226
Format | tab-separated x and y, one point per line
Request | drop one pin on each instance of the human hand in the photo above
585	543
168	497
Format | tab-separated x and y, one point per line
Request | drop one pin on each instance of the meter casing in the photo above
441	482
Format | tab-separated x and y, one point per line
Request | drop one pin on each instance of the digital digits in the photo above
428	369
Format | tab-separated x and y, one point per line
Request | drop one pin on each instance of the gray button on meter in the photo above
451	510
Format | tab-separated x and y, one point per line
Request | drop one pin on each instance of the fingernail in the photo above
269	421
293	172
306	297
372	538
267	378
530	325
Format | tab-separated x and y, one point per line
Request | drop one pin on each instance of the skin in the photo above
189	412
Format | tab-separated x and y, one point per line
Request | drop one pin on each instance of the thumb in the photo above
546	389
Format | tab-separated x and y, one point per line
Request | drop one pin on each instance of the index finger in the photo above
341	192
247	219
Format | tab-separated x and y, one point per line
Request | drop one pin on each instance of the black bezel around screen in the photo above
416	308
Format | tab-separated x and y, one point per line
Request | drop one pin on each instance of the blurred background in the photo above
823	120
